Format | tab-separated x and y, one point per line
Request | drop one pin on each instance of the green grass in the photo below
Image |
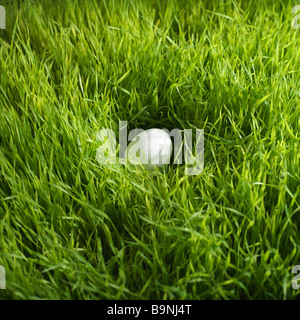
73	229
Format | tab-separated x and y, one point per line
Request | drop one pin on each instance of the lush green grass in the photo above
71	228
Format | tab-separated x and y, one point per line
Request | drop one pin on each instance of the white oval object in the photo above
151	148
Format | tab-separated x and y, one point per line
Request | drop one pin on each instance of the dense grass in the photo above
71	228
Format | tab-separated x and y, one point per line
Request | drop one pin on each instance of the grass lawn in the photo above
71	228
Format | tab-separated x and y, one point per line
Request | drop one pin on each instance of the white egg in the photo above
151	148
